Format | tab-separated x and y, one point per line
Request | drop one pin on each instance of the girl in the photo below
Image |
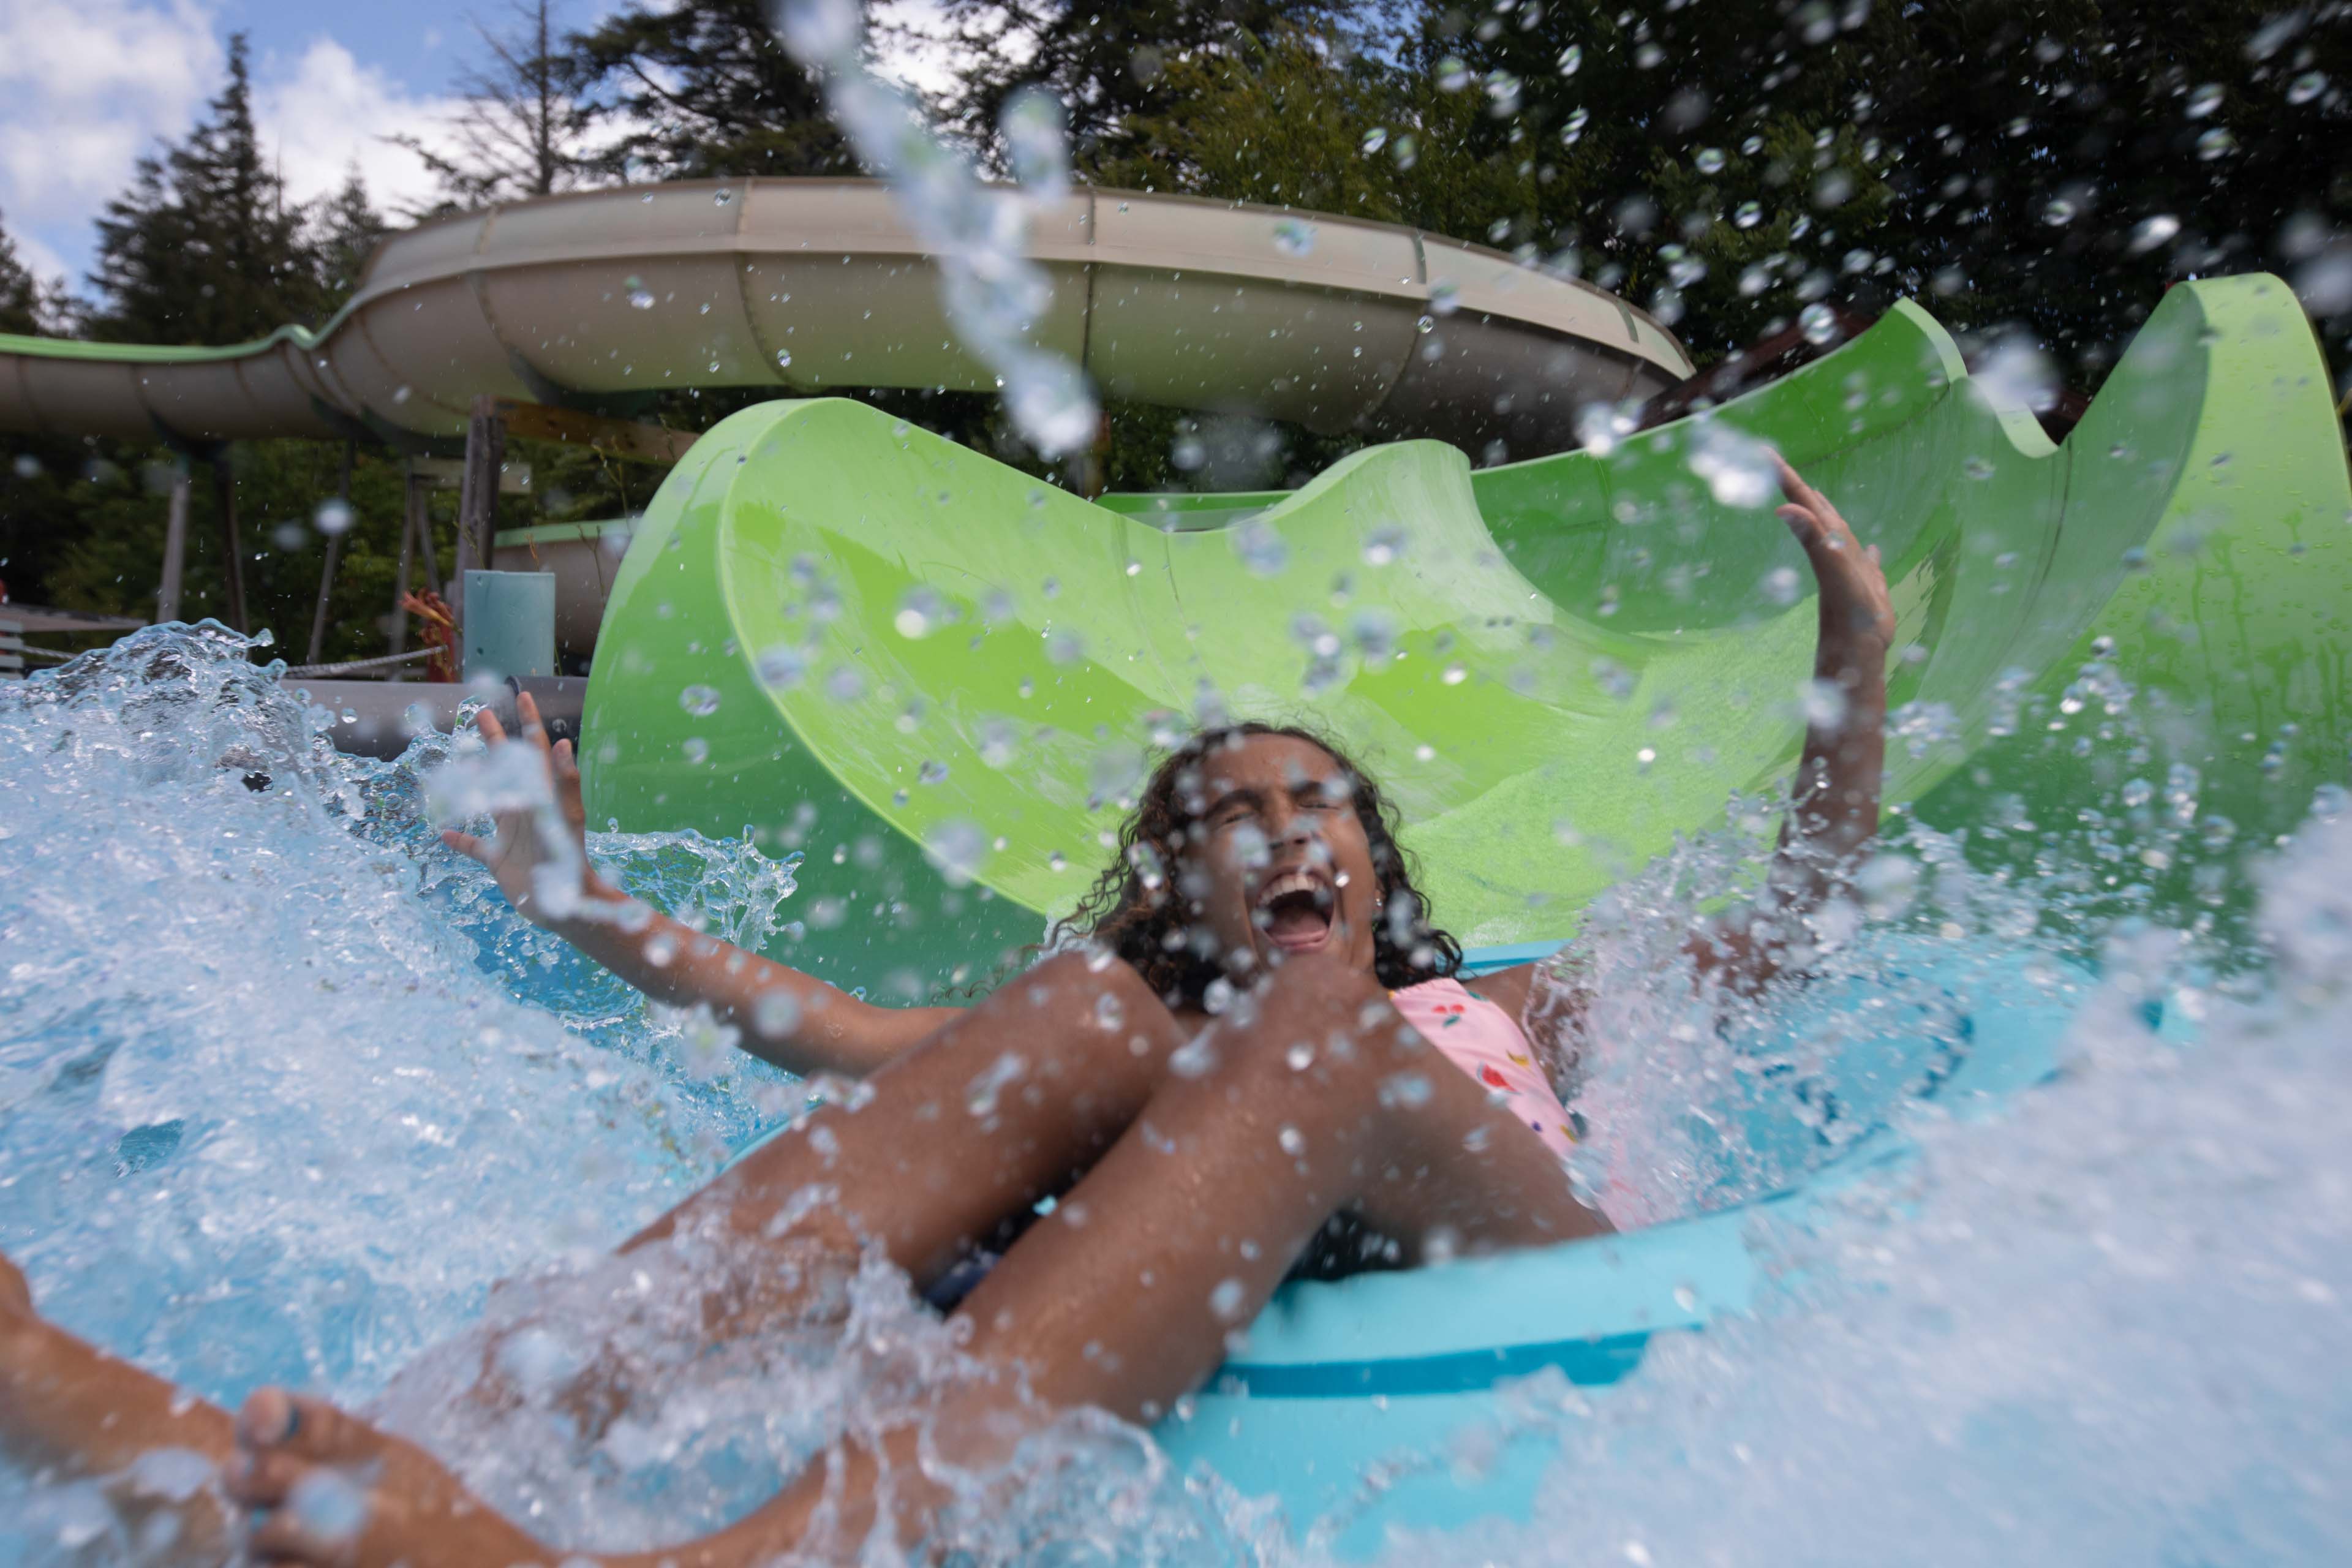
1262	1033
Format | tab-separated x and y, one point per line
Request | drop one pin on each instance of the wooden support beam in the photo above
477	502
629	439
334	556
175	545
232	548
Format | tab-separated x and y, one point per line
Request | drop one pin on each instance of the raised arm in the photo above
1833	802
794	1020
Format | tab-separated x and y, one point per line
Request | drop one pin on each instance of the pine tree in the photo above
707	89
25	305
523	130
204	247
347	228
1105	63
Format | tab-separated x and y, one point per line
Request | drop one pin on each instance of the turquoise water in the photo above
284	1088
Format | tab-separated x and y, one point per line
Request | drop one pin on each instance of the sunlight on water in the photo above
285	1088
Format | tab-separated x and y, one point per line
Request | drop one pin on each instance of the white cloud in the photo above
88	85
333	112
85	87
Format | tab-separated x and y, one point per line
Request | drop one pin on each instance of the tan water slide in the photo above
807	285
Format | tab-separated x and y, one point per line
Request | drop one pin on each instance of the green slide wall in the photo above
941	679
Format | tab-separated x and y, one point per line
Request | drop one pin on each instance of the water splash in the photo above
282	1083
995	294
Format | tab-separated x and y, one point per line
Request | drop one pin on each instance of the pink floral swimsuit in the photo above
1485	1041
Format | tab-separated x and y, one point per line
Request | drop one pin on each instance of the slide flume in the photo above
939	679
605	297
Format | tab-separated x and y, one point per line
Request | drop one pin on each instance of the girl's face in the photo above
1278	863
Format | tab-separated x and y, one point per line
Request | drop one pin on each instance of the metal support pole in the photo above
232	551
477	501
399	640
176	546
335	555
420	491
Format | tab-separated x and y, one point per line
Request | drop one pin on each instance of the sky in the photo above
86	86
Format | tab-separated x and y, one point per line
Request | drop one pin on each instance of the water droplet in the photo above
1782	585
1444	297
1977	467
695	749
334	517
931	773
782	667
2058	212
1375	139
403	393
1571	60
1294	237
714	367
721	197
1454	674
701	701
1228	1299
918	612
1747	214
2306	87
2216	143
1502	94
1293	1142
2204	100
2151	232
1384	545
1819	322
1260	547
641	300
1709	161
1453	76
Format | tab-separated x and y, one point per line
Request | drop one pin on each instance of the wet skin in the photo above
1198	1181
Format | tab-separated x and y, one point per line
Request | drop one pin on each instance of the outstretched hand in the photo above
521	844
1855	607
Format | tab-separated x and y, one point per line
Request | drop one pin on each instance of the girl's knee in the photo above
1079	997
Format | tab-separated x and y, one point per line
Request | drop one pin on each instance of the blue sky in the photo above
86	86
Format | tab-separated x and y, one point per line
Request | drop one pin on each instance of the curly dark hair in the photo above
1138	910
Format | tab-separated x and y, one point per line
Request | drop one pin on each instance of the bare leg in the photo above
917	1169
72	1409
1125	1300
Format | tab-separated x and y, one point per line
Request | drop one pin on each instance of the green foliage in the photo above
204	247
1106	64
524	127
705	88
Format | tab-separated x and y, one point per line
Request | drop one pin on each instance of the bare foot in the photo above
340	1494
66	1404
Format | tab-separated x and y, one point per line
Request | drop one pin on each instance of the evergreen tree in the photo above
705	88
1107	64
2053	167
204	247
347	229
23	303
522	132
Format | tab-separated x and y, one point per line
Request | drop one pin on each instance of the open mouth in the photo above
1296	909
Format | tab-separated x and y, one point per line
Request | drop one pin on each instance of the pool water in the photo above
285	1088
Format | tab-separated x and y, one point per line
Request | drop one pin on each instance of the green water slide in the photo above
941	679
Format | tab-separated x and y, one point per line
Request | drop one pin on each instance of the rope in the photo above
382	661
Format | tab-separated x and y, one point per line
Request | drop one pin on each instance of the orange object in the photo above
439	632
